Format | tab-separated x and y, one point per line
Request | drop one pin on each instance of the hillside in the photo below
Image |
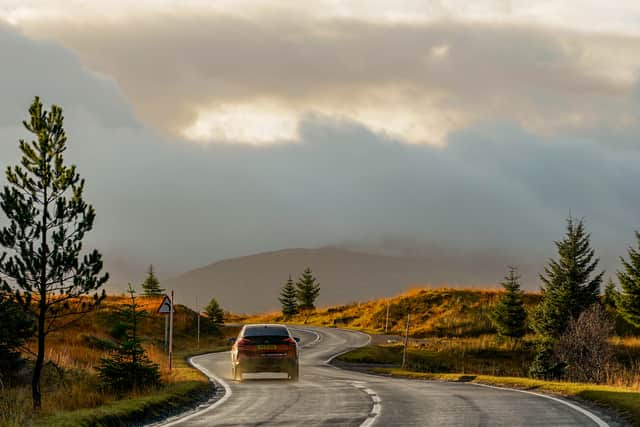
251	284
436	313
70	383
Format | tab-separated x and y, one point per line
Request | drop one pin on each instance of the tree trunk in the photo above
37	370
42	310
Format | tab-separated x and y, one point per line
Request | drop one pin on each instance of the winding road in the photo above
328	396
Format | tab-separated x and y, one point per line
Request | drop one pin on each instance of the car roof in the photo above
278	325
255	327
264	325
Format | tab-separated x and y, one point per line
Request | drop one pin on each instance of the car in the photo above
265	348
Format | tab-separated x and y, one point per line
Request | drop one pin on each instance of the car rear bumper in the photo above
267	364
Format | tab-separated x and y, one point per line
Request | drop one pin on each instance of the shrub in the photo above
585	347
16	327
545	364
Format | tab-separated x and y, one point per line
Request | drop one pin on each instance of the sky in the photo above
214	129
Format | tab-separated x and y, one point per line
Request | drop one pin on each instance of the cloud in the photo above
494	187
582	15
222	76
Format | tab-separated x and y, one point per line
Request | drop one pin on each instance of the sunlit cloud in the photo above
622	17
248	71
257	123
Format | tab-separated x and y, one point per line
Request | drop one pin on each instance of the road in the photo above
328	396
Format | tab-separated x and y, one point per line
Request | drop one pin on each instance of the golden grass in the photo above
78	350
437	312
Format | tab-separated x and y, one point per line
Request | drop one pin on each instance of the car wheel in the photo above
236	373
294	374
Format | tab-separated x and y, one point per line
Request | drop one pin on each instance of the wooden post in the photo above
406	341
386	322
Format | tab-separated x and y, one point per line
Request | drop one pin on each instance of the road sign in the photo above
165	306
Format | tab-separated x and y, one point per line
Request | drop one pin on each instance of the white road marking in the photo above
330	359
377	406
315	341
214	378
593	417
361	385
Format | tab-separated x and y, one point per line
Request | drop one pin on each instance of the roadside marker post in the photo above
406	341
167	308
386	322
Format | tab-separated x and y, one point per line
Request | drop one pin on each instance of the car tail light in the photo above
290	340
242	342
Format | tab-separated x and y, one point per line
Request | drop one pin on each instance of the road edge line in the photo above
330	359
213	378
376	408
593	417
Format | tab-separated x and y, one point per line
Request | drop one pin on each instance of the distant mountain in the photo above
251	284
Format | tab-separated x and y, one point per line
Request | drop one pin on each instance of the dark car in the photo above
264	348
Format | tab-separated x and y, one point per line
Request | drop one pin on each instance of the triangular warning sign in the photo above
165	306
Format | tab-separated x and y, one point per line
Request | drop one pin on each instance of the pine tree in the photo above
569	283
45	264
509	315
128	367
151	285
214	312
287	299
610	297
629	299
307	291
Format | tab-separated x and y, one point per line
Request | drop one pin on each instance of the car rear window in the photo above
264	331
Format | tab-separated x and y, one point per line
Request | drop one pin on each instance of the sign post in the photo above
171	332
167	308
166	335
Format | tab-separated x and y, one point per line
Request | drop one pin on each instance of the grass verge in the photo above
187	388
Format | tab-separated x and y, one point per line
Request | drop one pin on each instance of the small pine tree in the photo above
629	299
569	283
307	291
610	297
287	299
545	364
151	285
509	315
128	367
214	312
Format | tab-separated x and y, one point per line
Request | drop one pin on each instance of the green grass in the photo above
169	399
484	356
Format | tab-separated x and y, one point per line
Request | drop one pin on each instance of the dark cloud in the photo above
494	188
